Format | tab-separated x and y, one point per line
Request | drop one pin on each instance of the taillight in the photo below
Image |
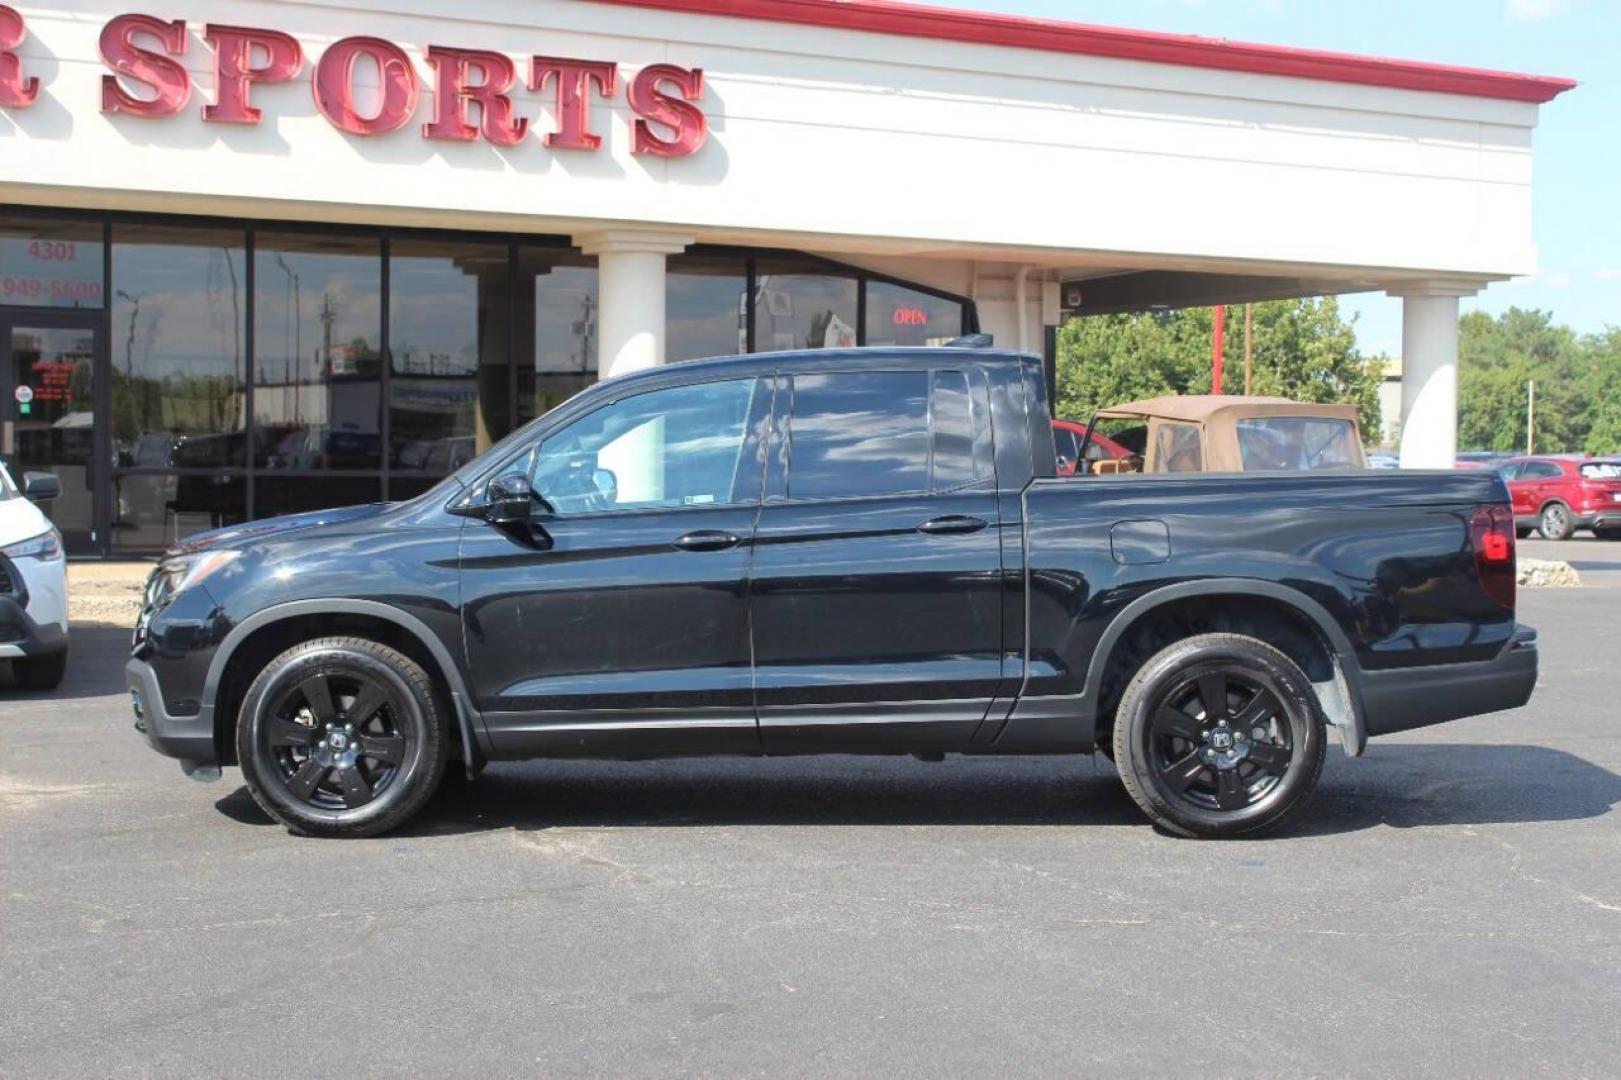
1491	534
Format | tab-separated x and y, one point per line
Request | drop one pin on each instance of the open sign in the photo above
911	316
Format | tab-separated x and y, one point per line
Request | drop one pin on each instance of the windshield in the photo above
1602	470
1297	443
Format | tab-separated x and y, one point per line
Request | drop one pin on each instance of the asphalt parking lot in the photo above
1451	904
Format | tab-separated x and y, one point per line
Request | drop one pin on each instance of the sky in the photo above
1577	185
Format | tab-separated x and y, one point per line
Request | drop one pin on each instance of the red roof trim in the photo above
1050	35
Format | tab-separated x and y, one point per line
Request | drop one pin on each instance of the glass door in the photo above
47	414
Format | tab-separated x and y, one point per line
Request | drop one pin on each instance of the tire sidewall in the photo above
410	710
1267	666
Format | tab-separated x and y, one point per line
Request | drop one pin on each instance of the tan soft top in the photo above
1203	408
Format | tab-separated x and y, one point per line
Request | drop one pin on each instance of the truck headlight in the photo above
185	571
46	547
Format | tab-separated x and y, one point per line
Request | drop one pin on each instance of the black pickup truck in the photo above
854	552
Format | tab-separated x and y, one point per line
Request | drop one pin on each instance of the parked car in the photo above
1229	433
33	583
1557	495
838	551
1069	437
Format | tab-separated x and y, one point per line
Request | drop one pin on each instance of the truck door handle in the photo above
951	523
707	540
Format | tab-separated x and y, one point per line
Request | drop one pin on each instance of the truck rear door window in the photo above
859	433
959	419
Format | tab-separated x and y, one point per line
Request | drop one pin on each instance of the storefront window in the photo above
897	315
274	495
317	340
705	310
799	306
152	510
45	263
447	330
557	356
178	337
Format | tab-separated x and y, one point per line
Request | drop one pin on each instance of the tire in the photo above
1521	533
1555	523
1607	534
342	737
41	672
1198	779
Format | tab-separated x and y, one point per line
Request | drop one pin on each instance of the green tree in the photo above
1603	393
1304	349
1497	360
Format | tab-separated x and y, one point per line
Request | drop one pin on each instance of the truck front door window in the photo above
676	447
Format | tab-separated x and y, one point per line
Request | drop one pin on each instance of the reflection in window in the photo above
859	433
447	331
277	495
1297	443
666	448
705	308
153	510
178	333
46	263
557	348
797	308
897	315
317	339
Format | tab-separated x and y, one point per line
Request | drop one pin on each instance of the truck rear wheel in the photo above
1219	735
342	737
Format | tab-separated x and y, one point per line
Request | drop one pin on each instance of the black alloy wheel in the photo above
1219	735
336	739
1221	740
342	737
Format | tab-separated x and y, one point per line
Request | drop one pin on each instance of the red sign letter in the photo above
574	96
160	71
335	85
685	120
235	70
15	91
452	92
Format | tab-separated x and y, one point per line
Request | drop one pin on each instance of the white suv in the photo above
33	583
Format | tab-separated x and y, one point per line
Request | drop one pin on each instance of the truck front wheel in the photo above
342	737
1219	735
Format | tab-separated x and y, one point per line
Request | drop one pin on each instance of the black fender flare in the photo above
461	703
1355	730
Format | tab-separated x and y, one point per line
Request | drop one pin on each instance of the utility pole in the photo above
1249	345
1531	416
1216	344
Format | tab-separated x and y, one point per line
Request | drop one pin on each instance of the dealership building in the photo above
258	257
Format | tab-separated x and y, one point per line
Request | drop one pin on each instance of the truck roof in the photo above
864	358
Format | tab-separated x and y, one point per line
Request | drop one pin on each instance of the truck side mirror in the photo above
510	500
41	487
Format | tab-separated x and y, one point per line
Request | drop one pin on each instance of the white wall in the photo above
830	140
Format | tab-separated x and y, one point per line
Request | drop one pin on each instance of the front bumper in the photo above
1418	697
189	738
21	636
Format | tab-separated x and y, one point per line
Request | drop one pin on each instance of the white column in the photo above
630	295
1429	387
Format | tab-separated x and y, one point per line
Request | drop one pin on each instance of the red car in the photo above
1557	495
1068	436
